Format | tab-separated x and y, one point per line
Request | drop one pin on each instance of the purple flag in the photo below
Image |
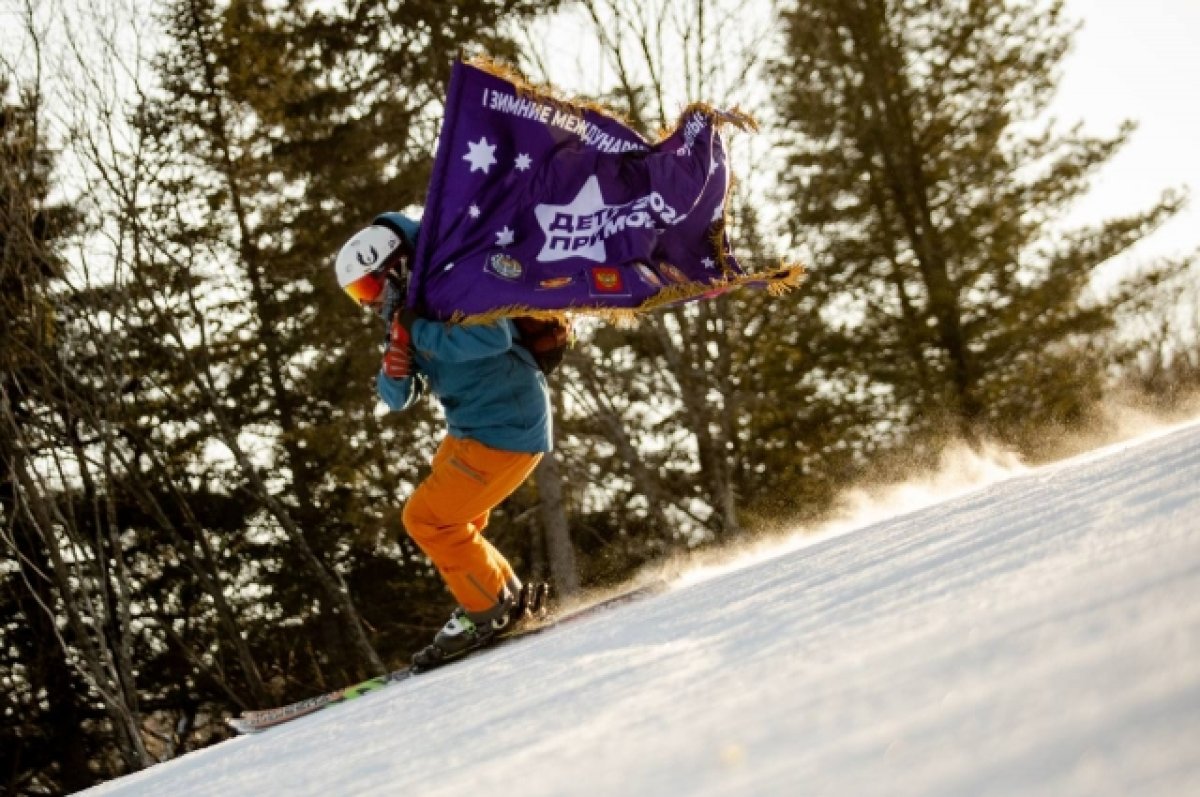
536	204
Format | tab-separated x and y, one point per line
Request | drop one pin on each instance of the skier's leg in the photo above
446	515
480	525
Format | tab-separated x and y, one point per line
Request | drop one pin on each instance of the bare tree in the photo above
659	56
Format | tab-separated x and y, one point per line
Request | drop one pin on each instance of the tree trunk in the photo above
560	551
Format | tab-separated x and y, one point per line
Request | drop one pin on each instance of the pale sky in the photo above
1140	60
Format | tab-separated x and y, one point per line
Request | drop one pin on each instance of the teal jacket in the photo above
489	385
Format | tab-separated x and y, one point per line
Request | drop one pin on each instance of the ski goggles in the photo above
368	289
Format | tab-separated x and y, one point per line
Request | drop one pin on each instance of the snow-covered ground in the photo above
1040	635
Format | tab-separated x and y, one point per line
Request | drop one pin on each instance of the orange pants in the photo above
448	512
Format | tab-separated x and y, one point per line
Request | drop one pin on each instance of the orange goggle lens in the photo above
367	289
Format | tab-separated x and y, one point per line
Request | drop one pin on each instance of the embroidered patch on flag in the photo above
607	280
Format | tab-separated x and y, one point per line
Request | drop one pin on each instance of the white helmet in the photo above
364	261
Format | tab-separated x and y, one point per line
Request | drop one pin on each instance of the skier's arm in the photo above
398	383
399	394
457	343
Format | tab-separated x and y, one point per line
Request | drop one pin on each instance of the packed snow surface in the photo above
1039	635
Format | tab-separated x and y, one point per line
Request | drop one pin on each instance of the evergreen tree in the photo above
279	132
930	193
224	483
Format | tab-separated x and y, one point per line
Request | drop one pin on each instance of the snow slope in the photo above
1040	635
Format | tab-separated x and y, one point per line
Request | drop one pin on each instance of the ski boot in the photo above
467	631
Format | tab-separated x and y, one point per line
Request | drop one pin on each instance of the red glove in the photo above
397	358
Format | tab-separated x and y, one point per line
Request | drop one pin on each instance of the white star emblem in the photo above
473	211
523	162
504	237
573	230
709	263
482	155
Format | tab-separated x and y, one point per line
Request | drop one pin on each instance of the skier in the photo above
492	387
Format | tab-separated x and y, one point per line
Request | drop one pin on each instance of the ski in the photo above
260	720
